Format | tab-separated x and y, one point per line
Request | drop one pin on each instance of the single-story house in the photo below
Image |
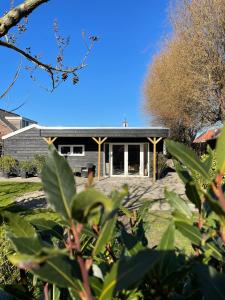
115	151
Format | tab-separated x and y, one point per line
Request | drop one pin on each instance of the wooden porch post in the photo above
154	141
49	140
99	142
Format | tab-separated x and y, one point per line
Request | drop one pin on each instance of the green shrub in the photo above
28	167
39	161
7	163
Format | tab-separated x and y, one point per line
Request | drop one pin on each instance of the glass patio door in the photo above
133	160
118	152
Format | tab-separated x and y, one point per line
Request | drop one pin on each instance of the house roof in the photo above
46	131
207	133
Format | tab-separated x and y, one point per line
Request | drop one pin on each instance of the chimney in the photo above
125	123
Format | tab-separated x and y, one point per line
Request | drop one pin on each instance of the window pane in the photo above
77	150
65	149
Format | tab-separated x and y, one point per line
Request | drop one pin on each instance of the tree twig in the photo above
13	82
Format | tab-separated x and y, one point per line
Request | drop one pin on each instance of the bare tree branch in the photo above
18	107
50	69
14	16
13	82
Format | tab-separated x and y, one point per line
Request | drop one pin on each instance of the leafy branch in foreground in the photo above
97	249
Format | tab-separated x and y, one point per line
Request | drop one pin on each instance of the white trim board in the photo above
21	130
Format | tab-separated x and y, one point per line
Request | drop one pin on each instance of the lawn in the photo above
158	222
9	191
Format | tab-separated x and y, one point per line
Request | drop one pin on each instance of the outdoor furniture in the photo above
88	170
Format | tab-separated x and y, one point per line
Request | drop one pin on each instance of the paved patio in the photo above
140	189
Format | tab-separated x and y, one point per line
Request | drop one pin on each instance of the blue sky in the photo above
110	87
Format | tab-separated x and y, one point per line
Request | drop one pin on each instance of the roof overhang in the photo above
46	131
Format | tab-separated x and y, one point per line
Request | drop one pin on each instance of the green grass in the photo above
158	222
9	191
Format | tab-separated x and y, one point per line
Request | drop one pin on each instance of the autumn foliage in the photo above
185	85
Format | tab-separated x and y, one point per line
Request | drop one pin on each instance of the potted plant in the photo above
27	168
7	165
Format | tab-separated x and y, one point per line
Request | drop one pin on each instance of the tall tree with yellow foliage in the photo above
185	85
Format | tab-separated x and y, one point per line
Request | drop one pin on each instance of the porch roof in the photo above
47	131
105	132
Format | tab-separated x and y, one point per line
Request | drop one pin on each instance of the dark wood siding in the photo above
25	145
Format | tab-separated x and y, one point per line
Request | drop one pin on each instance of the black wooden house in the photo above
115	151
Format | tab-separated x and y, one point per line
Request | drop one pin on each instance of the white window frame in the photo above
71	150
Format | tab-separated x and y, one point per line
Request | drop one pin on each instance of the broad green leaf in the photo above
60	270
178	203
182	172
58	183
31	245
210	282
193	195
212	250
105	235
189	231
126	272
18	226
187	156
167	241
25	261
167	257
48	227
87	202
220	151
132	243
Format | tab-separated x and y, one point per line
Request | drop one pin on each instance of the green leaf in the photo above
132	243
58	183
86	203
178	203
212	250
48	227
25	261
18	226
167	257
167	241
187	156
182	172
126	272
23	245
220	151
189	231
193	195
211	282
60	270
105	235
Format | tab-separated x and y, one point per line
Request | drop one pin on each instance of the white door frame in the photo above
141	174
